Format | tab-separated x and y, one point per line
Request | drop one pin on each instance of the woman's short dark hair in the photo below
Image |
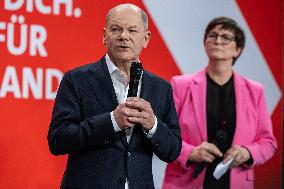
231	25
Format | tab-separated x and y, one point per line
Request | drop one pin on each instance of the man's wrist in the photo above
114	123
150	132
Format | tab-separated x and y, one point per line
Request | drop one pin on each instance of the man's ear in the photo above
104	36
147	38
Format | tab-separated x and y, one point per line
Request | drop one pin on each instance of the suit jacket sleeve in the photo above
265	144
166	141
68	132
179	94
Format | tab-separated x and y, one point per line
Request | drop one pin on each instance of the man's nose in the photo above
124	34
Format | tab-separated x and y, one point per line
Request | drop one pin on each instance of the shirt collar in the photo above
110	65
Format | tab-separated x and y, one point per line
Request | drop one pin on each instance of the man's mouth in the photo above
123	46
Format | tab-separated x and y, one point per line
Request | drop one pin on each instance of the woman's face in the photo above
220	45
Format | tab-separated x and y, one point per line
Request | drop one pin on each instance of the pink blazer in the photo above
253	129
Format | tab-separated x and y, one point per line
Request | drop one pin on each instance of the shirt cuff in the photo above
114	124
151	132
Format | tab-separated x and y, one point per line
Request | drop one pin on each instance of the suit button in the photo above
157	146
121	180
128	154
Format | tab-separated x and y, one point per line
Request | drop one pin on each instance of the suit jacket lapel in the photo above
146	89
101	83
199	102
241	106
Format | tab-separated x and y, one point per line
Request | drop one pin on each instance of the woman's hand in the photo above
205	152
240	155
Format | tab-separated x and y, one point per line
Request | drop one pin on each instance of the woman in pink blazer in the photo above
223	118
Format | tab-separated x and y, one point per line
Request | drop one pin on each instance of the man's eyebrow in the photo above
114	24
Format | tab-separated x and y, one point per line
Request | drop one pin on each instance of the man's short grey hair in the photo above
142	12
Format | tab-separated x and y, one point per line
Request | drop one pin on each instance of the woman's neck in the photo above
220	71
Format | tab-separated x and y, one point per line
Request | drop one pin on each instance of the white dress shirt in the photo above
121	86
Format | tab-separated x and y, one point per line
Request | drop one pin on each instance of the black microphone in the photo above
136	70
220	137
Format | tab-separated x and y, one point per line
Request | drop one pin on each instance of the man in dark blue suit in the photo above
110	139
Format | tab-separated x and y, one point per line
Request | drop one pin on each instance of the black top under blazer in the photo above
81	127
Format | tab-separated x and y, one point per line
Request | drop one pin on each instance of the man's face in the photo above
125	35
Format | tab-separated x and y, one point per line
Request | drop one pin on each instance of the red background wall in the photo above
25	161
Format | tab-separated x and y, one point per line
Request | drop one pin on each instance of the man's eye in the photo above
132	31
115	29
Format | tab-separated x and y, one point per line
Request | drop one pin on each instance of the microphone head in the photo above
136	71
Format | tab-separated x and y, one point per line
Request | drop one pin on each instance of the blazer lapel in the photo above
101	83
241	106
199	102
146	94
147	87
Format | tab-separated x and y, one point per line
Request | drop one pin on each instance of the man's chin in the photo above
125	58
